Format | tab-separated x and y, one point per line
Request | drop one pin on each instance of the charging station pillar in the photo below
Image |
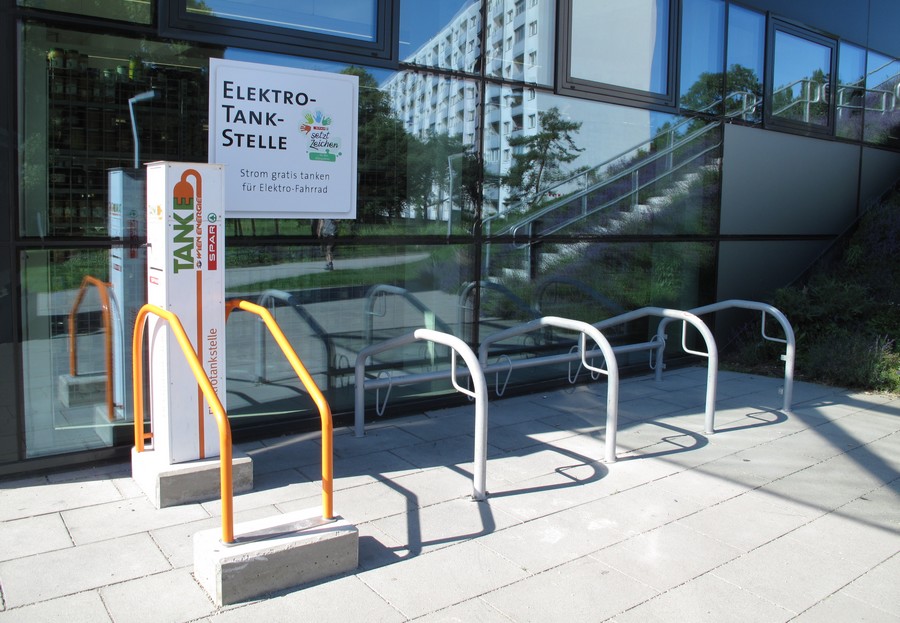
185	276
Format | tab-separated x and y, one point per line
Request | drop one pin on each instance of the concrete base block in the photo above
273	554
77	391
183	483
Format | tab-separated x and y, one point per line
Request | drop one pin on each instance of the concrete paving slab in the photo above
38	496
84	607
845	536
132	516
551	493
667	556
375	440
746	522
284	453
364	469
789	574
877	587
472	610
64	572
171	596
707	599
364	503
840	607
442	578
336	601
270	489
33	535
582	590
547	542
443	524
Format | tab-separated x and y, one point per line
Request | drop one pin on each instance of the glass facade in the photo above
498	181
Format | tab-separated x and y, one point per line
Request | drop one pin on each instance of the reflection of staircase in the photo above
616	188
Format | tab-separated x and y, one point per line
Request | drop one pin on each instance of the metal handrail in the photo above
789	340
215	405
314	393
479	391
103	291
659	344
585	330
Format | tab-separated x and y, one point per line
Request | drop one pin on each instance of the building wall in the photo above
652	198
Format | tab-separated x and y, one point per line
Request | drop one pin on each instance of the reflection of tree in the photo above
383	147
538	157
443	167
802	100
742	85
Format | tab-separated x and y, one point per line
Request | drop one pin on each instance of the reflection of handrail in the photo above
384	289
314	393
290	300
474	371
624	173
463	307
585	330
225	480
789	341
103	291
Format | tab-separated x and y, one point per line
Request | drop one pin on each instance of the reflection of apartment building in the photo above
431	104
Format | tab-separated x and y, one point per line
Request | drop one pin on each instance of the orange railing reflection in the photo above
314	393
103	290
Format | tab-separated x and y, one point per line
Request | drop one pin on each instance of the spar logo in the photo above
187	208
212	243
322	145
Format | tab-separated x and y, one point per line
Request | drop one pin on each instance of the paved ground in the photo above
776	517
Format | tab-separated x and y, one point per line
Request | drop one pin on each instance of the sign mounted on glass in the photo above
288	138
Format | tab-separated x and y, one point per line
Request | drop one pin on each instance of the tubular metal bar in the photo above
474	370
585	330
314	393
790	341
712	353
225	481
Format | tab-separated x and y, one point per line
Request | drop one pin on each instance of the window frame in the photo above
568	85
175	22
771	121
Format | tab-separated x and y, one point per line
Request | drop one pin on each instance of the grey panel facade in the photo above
777	184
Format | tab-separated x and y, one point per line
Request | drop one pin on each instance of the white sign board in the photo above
287	137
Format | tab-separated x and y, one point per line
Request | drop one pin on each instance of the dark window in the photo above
801	72
744	64
331	30
620	50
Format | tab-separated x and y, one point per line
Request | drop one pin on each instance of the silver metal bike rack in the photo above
658	344
581	354
789	340
479	391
